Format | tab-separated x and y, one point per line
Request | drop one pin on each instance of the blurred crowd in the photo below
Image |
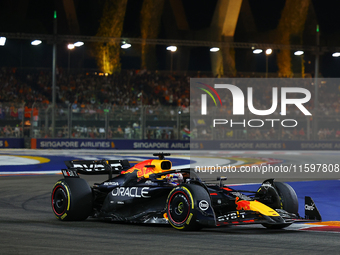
135	87
139	87
92	93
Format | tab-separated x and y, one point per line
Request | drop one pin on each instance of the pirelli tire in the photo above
288	197
72	199
182	206
288	202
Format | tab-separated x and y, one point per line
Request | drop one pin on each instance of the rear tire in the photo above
71	199
288	202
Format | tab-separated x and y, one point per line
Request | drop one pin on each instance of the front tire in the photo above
288	197
181	206
288	202
71	199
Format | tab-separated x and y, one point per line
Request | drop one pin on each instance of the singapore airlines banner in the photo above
6	143
265	145
12	143
109	144
180	145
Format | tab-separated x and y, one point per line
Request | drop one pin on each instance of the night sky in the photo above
38	18
39	14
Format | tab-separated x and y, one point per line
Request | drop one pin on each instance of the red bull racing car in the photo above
152	192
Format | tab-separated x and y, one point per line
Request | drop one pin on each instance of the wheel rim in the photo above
178	207
59	200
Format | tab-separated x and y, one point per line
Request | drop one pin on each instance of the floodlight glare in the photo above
36	42
336	54
269	51
125	46
298	53
70	46
2	41
214	49
171	48
78	44
257	51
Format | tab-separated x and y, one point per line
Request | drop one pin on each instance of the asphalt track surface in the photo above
28	226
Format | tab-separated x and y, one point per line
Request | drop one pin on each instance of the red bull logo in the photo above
242	204
131	170
145	171
140	169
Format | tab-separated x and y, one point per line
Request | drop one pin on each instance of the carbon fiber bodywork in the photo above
143	194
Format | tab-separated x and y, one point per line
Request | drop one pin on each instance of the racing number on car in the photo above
231	216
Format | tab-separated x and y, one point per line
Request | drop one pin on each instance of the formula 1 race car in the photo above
152	192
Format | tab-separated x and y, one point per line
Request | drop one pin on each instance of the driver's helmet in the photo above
174	179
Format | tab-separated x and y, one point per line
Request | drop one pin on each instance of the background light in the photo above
36	42
269	51
2	41
70	46
257	51
214	49
336	54
125	46
171	48
78	44
298	53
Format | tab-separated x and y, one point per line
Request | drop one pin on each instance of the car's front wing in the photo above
253	217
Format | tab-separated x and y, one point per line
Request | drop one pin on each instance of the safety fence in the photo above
120	125
94	121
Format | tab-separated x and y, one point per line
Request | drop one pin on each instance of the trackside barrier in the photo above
123	144
264	145
127	144
37	143
12	143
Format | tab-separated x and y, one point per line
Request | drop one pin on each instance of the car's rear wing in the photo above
98	166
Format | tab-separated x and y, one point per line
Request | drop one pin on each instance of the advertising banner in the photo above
109	144
12	143
265	145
